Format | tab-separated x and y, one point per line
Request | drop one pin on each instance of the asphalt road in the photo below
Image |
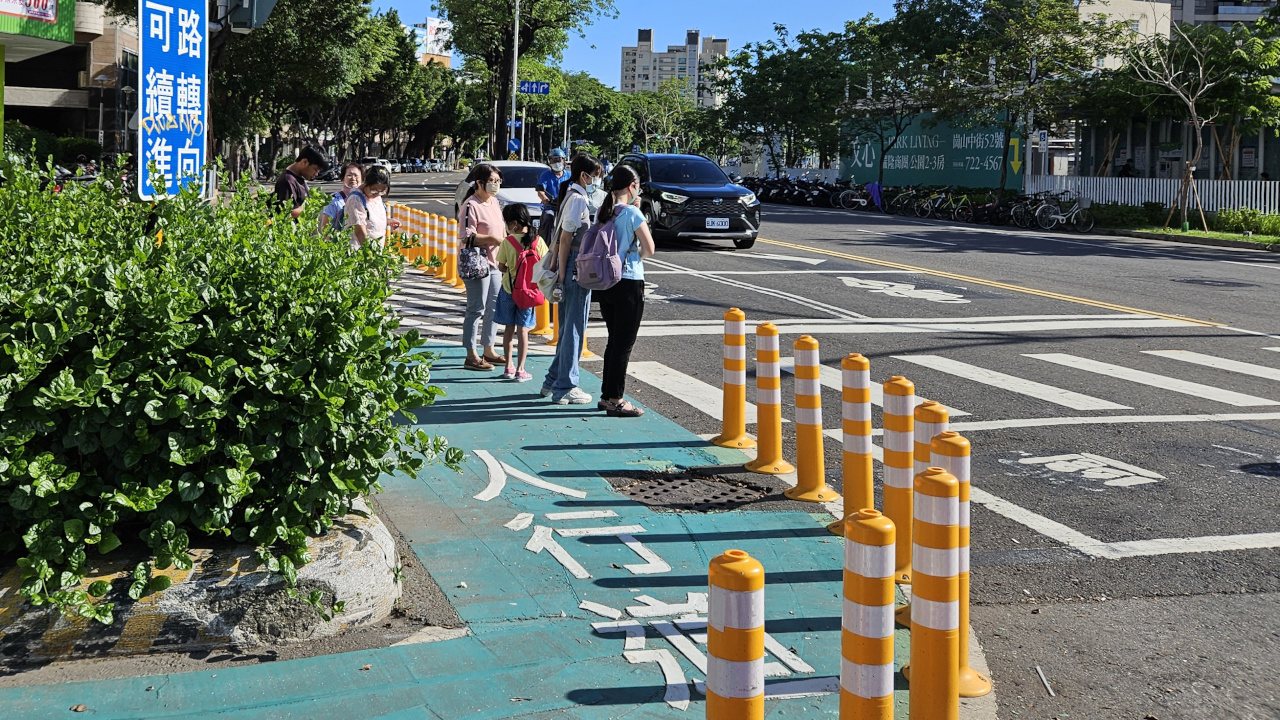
1154	368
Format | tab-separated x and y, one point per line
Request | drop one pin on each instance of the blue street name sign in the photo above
515	123
173	73
513	144
533	87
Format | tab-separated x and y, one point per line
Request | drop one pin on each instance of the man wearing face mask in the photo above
549	181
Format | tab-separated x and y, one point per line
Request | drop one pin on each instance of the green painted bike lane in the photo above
532	482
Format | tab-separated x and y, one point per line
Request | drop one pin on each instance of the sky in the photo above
741	21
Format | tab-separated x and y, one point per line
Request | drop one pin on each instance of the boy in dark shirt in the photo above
291	186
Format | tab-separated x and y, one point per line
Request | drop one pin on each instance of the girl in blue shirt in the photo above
622	306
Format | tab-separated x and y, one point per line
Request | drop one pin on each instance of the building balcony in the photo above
90	21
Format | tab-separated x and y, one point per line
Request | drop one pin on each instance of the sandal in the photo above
621	409
482	365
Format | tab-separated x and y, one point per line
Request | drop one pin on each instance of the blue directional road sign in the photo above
173	69
513	144
515	123
533	87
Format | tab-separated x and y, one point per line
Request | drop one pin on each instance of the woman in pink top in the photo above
480	219
365	214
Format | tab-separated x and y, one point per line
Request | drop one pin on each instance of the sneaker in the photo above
509	373
546	391
575	396
522	376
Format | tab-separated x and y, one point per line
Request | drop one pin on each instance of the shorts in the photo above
508	314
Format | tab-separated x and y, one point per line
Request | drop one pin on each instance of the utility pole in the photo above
566	131
524	117
515	71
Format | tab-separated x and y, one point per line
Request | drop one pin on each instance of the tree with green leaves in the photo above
1019	65
485	30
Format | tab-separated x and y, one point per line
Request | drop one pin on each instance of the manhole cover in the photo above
1214	283
686	492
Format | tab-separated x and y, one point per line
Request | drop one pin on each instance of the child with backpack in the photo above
519	295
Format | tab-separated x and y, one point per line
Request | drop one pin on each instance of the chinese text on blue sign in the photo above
174	69
533	87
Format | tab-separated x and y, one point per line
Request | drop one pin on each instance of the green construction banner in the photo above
48	19
934	152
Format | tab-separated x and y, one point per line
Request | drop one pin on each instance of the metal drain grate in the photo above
689	493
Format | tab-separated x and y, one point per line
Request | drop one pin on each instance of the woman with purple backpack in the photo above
622	305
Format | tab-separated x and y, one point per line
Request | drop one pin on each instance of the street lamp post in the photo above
515	65
101	82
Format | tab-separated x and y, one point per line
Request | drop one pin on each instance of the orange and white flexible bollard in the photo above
811	464
452	240
866	636
555	325
935	598
436	233
930	421
542	320
416	231
856	468
733	428
899	457
951	451
735	638
768	404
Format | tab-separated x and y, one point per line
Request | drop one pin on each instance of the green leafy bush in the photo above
1122	215
185	366
70	148
1246	220
18	139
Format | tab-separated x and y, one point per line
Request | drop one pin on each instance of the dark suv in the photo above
689	196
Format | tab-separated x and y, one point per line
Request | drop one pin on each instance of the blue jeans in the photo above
572	312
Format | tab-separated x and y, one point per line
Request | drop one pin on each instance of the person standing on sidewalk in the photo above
365	214
516	319
574	301
622	306
291	185
480	223
333	215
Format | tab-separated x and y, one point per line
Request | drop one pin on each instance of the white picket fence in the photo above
1214	194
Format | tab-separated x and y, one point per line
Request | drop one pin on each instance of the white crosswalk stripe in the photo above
702	396
427	305
1196	358
833	378
1163	382
1040	391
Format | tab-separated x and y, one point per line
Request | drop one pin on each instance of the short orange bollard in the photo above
555	325
855	414
866	637
733	432
899	451
735	638
811	464
452	240
930	421
768	405
950	451
542	320
935	598
435	230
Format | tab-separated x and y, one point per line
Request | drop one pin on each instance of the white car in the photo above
519	185
370	161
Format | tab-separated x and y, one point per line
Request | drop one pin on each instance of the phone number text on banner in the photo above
174	71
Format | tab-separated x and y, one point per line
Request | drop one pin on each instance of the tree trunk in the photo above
1004	165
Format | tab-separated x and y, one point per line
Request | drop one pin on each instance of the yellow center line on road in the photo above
992	283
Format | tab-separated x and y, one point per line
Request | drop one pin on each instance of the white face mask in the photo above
492	188
557	167
597	184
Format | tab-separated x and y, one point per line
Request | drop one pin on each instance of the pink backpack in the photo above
599	266
524	291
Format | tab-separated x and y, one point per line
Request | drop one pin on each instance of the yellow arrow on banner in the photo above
1016	162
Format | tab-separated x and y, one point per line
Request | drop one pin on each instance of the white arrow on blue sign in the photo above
513	144
533	87
173	73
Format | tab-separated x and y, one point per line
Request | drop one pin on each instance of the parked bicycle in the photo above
1050	215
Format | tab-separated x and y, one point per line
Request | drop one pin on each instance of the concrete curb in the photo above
225	599
1188	239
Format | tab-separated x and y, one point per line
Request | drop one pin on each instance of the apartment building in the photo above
643	68
1224	13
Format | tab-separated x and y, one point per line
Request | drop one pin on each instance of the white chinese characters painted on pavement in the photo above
904	290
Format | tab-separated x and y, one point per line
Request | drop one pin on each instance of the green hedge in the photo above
1246	220
185	367
20	140
1120	215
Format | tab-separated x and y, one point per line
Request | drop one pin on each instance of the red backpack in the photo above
524	291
